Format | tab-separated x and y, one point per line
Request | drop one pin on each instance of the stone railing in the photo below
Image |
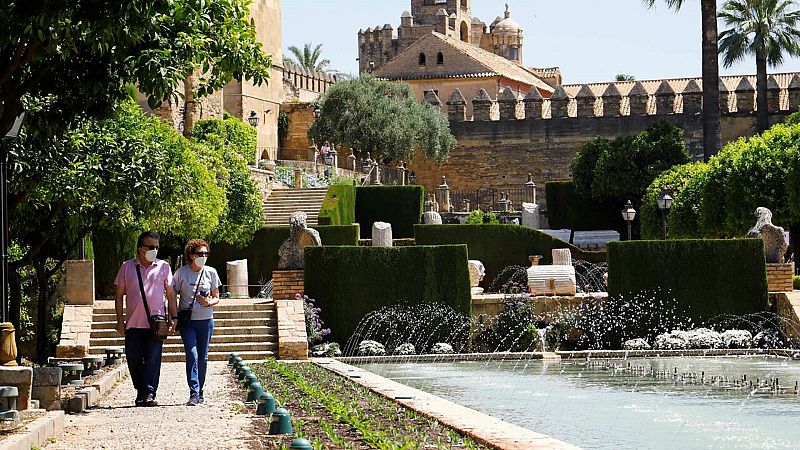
642	98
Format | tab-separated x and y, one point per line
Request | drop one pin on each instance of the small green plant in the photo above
796	282
477	217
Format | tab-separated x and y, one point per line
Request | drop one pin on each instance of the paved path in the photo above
117	424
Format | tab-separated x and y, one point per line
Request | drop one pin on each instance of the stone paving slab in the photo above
483	428
36	433
117	424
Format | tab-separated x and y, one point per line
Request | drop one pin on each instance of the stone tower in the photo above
507	37
459	15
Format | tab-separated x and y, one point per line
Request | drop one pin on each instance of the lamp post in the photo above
8	344
628	213
253	119
664	204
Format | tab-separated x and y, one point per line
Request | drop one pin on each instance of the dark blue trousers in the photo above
196	340
143	352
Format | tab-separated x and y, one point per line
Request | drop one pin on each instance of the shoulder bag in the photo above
159	325
185	315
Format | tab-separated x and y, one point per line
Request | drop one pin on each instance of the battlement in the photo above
628	98
308	80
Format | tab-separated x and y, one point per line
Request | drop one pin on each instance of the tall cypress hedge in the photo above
400	206
339	206
707	278
499	246
262	252
350	282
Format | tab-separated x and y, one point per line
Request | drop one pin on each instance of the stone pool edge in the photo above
483	428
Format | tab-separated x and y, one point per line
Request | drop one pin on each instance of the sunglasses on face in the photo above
201	253
151	247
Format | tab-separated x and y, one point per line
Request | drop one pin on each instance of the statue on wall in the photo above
775	244
300	237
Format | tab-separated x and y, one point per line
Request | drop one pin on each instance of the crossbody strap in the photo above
197	288
141	289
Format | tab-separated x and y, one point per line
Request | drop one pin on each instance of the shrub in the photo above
477	217
314	324
707	278
499	246
240	137
400	206
350	282
796	282
339	206
684	217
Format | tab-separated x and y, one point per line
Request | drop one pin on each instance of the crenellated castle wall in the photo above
508	137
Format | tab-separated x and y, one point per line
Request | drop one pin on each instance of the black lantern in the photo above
317	111
412	177
628	214
253	119
664	204
329	159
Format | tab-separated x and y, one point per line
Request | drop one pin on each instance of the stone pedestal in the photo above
76	327
22	379
238	279
779	276
292	337
47	387
381	234
530	215
78	282
562	257
551	280
286	284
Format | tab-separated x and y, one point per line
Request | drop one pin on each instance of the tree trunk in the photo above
42	311
712	141
762	113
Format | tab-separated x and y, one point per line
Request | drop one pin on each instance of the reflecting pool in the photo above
660	403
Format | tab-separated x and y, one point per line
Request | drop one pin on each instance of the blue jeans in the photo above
144	360
196	339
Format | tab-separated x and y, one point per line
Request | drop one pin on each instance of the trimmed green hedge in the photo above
499	246
350	282
707	278
339	206
400	206
262	253
568	209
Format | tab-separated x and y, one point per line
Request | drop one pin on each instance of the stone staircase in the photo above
283	202
248	327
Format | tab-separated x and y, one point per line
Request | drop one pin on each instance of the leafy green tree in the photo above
624	77
766	29
309	57
383	118
712	140
80	53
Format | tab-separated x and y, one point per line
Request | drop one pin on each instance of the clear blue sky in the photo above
591	40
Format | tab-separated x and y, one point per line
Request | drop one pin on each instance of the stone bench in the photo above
594	240
563	234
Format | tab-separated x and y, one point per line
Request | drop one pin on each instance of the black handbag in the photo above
185	315
159	325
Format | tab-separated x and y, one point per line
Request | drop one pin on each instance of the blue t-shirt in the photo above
184	281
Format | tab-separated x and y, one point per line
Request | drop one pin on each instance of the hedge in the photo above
262	253
568	209
350	282
707	278
499	246
339	206
400	206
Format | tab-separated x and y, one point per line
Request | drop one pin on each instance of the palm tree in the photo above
711	115
309	57
764	28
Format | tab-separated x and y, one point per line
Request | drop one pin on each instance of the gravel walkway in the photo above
117	424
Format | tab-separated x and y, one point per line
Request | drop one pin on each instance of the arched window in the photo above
422	59
464	32
439	59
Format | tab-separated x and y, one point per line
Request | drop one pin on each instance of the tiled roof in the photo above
545	72
483	64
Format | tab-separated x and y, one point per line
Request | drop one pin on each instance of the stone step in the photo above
110	317
249	356
261	321
223	306
117	341
170	347
109	333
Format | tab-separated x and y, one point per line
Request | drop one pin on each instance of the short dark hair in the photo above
145	235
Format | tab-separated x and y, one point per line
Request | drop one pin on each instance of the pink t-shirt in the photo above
154	277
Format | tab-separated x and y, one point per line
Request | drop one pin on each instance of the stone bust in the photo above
775	244
300	237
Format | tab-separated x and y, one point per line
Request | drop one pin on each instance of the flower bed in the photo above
333	412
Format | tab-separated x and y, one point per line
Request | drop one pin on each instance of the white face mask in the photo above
150	255
200	261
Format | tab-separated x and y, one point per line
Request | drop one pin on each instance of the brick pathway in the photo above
116	424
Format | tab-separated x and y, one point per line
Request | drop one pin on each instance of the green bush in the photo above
400	206
262	252
477	217
339	206
566	208
234	133
499	246
350	282
796	282
707	278
684	217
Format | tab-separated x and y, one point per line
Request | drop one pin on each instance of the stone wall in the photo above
545	137
295	144
779	277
